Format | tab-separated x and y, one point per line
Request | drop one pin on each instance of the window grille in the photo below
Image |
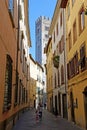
8	84
16	89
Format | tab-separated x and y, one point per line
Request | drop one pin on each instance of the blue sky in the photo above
39	8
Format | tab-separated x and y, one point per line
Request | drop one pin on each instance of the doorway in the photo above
85	104
64	98
72	107
59	100
56	111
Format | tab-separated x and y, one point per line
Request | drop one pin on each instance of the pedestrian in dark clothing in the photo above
40	111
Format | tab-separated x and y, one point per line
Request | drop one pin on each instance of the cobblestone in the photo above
48	122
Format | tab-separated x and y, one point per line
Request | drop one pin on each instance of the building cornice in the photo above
27	21
40	66
55	15
32	59
46	48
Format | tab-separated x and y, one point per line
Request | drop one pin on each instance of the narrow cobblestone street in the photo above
49	122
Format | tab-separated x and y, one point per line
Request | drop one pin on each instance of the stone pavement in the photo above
49	122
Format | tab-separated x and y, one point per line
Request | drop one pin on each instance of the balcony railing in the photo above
56	61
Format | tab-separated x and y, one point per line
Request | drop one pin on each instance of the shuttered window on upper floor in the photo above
81	20
83	56
74	32
70	40
72	67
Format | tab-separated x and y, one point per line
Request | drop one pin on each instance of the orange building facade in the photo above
14	67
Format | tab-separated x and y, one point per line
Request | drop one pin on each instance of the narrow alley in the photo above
43	64
49	122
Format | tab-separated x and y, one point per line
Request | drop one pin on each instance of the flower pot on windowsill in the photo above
56	61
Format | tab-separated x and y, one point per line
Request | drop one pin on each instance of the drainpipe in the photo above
16	87
64	25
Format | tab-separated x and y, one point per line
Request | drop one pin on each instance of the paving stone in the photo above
48	122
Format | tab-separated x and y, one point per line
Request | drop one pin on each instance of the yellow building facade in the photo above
76	42
49	75
32	94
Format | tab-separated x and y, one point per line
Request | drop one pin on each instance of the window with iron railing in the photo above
16	90
8	84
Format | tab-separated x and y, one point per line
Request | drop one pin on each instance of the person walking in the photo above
40	110
37	115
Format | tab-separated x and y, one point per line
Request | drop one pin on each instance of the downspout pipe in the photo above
64	33
16	88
